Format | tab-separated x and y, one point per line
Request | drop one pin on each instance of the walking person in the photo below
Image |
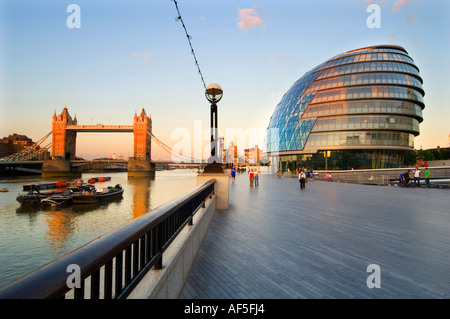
302	177
252	177
233	174
427	177
256	177
417	177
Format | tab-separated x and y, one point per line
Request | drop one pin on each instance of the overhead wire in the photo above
179	18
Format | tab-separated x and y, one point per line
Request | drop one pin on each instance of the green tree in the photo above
425	155
410	158
445	153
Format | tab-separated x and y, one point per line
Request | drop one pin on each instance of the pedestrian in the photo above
252	177
401	180
302	178
233	174
256	177
407	177
427	177
417	177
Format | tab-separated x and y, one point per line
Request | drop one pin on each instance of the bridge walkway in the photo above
277	242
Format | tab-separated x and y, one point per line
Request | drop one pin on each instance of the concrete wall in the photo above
377	176
383	176
168	282
221	187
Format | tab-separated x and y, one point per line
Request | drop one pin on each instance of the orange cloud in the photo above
400	4
248	18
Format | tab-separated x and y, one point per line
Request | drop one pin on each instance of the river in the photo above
31	238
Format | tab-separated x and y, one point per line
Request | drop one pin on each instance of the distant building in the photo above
253	155
16	143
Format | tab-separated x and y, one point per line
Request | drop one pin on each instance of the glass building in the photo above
360	109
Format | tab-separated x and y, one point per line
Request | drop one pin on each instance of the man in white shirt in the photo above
417	177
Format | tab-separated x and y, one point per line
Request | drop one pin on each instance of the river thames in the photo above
33	237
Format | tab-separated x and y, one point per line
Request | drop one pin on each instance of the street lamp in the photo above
214	94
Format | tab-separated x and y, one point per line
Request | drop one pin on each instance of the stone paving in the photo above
278	242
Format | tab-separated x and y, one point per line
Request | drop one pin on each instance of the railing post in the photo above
159	244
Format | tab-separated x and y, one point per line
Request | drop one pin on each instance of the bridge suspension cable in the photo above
169	150
246	158
29	152
179	18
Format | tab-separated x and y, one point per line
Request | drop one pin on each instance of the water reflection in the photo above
62	222
34	236
141	194
60	226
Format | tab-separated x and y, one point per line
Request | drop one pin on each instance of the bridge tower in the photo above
142	129
140	164
63	141
63	146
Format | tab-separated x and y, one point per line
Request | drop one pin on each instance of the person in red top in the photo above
252	177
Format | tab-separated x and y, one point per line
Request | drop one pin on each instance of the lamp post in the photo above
214	94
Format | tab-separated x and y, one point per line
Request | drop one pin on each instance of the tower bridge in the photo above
63	162
64	135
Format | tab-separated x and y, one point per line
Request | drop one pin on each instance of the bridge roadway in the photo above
277	242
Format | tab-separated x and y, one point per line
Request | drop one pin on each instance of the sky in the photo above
112	58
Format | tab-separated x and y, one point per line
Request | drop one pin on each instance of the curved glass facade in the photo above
366	102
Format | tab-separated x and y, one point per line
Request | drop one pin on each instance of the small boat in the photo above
35	196
98	195
4	190
94	180
66	197
59	184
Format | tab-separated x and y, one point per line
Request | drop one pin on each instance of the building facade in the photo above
360	109
16	143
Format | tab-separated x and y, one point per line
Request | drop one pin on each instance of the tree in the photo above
425	155
410	158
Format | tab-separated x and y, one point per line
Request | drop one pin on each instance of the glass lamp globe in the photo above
213	93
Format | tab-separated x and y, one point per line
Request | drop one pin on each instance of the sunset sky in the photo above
132	54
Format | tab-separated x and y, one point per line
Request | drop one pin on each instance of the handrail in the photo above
114	263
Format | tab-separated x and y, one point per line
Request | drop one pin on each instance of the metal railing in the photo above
111	266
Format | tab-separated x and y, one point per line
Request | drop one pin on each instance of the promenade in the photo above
276	241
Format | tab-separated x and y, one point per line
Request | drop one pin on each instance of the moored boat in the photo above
35	196
98	195
66	197
59	184
94	180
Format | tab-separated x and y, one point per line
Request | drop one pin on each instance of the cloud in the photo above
248	18
278	56
144	54
400	4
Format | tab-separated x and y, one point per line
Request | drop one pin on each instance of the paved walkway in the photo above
276	241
